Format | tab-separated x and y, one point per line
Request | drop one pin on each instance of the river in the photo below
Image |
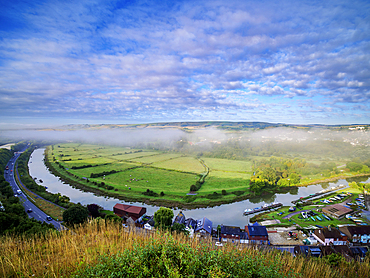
229	214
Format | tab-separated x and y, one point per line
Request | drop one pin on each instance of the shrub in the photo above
168	258
149	192
189	198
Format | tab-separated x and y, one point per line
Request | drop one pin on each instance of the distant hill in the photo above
206	124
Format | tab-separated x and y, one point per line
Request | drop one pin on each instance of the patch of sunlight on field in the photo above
131	156
156	158
214	183
185	164
140	179
228	165
92	161
229	175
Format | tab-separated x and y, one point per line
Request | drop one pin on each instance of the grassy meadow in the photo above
105	249
130	173
139	170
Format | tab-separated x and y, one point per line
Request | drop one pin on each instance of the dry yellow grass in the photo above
59	254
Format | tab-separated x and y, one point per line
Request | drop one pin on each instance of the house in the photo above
336	211
257	233
328	235
359	252
180	218
357	234
230	233
191	223
308	251
204	226
145	220
343	250
126	211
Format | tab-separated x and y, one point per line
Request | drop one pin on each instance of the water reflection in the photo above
229	214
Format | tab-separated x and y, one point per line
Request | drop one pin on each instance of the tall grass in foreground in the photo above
102	245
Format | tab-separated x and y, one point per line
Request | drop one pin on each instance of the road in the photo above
36	213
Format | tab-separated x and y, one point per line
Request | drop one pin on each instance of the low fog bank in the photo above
207	140
115	137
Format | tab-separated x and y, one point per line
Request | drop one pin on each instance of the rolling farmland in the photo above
131	173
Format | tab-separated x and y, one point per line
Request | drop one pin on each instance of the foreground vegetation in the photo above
105	249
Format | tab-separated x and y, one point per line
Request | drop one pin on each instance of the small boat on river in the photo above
263	208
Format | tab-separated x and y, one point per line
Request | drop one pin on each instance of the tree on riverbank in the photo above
163	217
75	214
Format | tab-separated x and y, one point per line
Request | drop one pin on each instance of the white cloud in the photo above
92	58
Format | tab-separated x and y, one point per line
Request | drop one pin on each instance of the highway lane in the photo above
35	212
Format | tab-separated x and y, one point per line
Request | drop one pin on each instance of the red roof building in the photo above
126	211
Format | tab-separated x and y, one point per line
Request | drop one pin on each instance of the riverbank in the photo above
175	201
333	179
81	184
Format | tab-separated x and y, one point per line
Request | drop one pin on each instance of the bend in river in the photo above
228	214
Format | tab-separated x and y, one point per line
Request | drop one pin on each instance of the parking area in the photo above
280	236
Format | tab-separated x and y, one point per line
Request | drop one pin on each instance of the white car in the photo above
218	244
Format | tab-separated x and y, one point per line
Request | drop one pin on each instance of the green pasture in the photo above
132	156
143	178
156	158
118	166
228	165
170	173
183	164
229	175
92	161
217	184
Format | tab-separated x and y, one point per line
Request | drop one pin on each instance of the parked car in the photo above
218	244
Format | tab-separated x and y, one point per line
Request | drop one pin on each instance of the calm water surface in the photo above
230	214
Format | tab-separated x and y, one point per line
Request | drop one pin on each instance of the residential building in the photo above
336	211
127	211
180	218
257	233
204	226
308	251
231	234
191	223
328	235
357	234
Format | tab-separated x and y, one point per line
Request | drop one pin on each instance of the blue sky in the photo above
296	62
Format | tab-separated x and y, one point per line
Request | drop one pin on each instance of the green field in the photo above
156	158
158	180
228	165
184	164
162	177
140	170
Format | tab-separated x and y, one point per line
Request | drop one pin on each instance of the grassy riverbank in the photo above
158	178
101	249
130	174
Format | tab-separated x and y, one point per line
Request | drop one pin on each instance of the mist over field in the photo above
212	141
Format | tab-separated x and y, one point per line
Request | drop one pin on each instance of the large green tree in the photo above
163	217
75	214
